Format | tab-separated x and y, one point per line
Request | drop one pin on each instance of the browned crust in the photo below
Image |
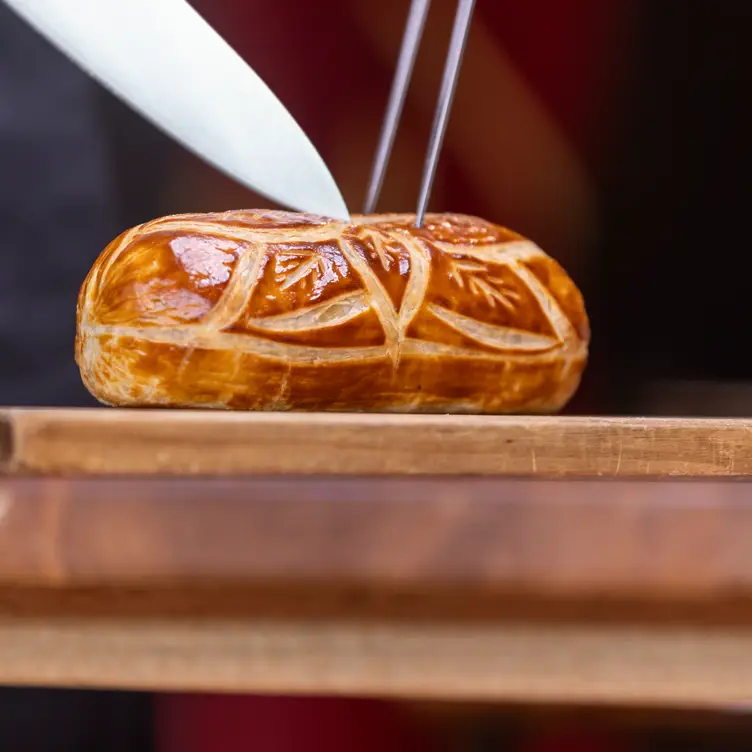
278	311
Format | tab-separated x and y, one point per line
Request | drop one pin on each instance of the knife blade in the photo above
167	63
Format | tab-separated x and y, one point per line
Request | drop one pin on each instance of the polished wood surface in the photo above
605	591
163	442
656	541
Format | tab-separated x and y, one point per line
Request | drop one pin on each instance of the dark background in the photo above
662	253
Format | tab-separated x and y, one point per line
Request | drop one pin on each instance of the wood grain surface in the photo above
153	442
661	541
524	662
608	591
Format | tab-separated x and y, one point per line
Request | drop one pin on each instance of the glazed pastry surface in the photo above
267	310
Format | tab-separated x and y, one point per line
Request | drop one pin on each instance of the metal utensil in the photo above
167	63
410	43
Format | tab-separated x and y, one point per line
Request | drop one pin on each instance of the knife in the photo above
163	60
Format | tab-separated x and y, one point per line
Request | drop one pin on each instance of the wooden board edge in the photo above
7	443
105	441
527	662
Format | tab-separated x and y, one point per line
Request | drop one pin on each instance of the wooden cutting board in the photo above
104	441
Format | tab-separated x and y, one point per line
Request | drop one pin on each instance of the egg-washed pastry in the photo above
273	310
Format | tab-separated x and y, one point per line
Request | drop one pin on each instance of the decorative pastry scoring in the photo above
444	317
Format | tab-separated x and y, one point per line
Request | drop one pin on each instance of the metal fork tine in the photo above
414	25
441	117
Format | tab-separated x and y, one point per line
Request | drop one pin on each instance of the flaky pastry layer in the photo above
282	311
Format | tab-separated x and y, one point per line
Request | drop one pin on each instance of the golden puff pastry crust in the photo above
269	310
